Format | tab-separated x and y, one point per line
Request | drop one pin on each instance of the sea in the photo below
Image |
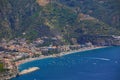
98	64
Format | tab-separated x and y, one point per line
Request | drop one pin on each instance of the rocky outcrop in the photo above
43	2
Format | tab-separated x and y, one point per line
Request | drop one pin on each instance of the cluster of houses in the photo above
19	49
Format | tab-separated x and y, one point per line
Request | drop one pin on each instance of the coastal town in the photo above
17	51
65	35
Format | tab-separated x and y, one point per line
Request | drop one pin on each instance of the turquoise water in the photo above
99	64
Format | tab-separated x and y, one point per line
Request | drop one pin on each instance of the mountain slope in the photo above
58	18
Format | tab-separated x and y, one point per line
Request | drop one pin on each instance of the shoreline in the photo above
18	63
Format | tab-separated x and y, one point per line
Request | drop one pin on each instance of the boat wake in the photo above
104	59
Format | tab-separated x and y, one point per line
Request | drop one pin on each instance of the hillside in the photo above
63	19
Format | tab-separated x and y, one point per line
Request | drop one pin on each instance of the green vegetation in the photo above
1	67
58	18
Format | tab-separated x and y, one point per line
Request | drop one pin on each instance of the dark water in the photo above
100	64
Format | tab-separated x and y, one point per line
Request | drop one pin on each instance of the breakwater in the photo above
29	70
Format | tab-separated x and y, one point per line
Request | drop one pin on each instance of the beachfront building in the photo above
89	44
75	47
64	48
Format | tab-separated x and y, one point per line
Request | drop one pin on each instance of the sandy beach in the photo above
57	55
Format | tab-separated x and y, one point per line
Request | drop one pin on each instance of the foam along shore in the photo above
58	55
29	70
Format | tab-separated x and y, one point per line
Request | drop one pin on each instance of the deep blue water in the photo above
99	64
